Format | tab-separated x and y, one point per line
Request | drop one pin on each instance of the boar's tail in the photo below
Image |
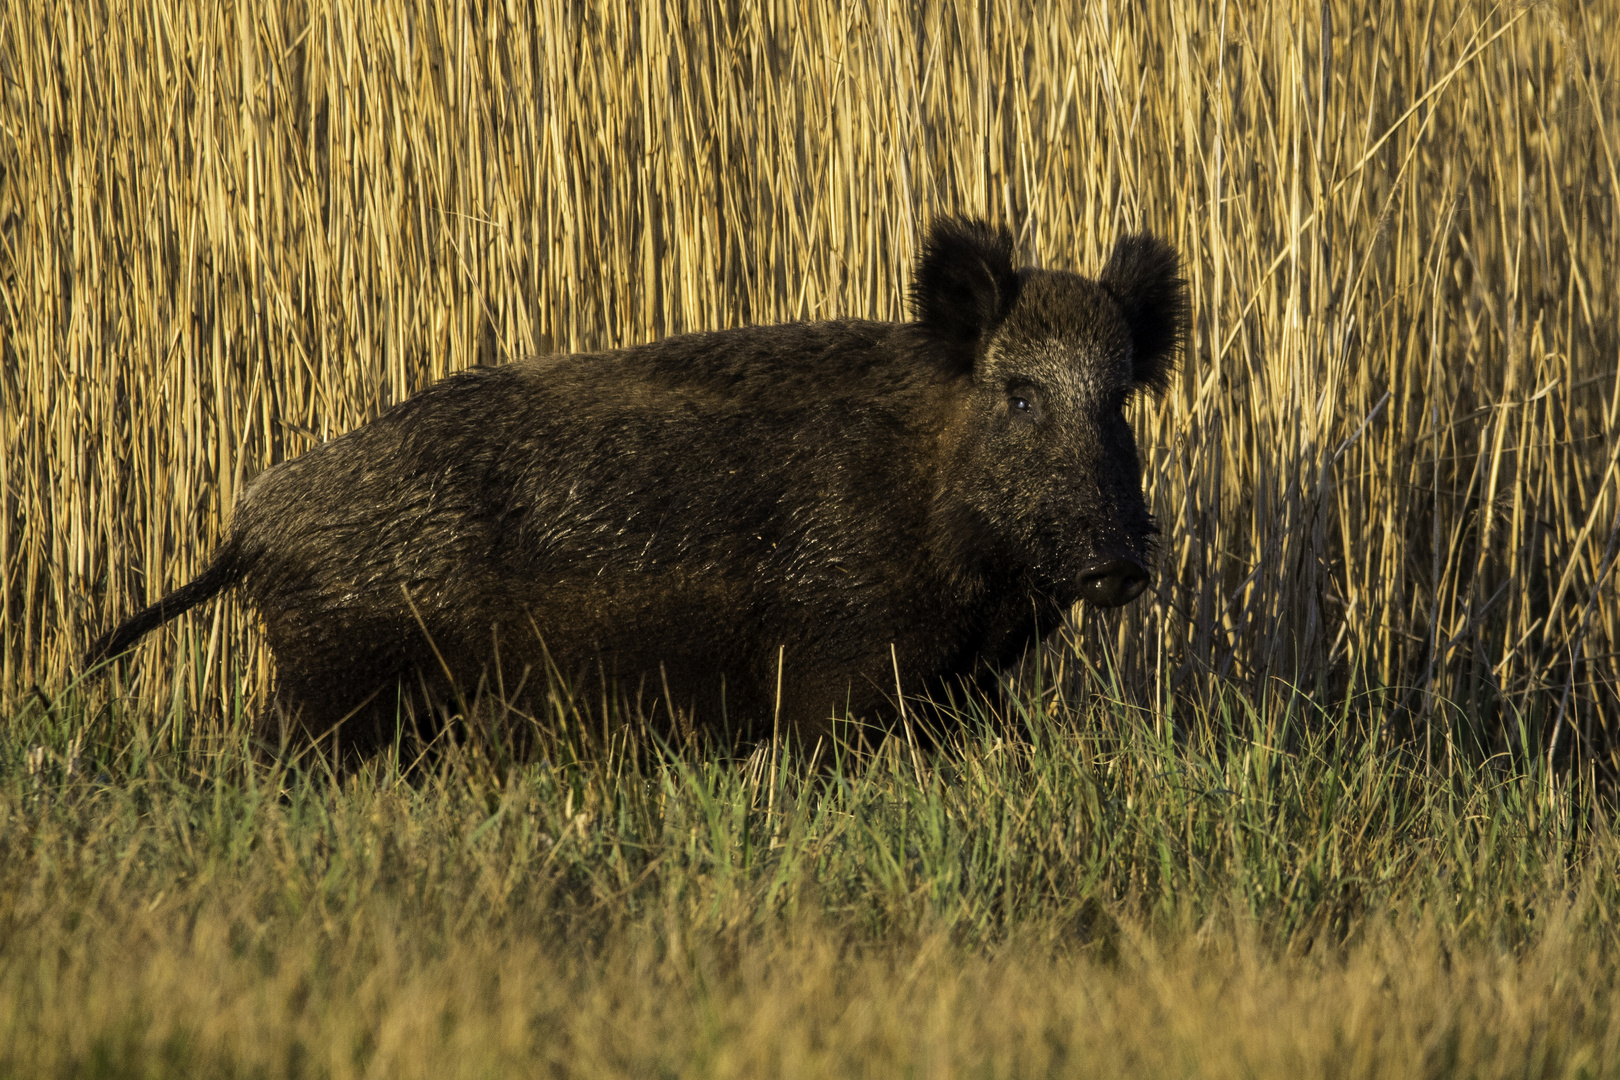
221	574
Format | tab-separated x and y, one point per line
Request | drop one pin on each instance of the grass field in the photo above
1109	901
1329	801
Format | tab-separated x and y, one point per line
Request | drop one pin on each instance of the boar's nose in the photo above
1112	582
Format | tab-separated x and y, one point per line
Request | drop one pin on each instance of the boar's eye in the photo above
1022	404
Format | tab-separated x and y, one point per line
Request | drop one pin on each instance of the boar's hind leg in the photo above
314	710
357	699
367	703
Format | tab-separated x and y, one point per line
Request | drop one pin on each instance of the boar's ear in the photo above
1142	276
965	282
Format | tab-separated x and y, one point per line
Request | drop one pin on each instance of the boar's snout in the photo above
1112	582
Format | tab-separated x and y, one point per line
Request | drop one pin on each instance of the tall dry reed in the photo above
228	231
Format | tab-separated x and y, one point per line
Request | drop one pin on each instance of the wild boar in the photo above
845	506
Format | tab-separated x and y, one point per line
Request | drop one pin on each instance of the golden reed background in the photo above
228	231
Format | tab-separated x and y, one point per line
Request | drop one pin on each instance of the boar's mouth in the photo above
1112	582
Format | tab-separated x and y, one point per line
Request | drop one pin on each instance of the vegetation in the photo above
1328	802
1067	889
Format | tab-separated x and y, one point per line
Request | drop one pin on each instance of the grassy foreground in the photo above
1279	894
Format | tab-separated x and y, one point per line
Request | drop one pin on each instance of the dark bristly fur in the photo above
859	501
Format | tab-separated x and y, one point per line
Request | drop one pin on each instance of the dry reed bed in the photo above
1390	461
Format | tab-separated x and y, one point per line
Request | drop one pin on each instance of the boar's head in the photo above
1044	463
